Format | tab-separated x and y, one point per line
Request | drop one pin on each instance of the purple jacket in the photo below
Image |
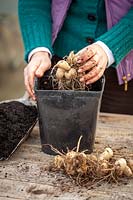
115	9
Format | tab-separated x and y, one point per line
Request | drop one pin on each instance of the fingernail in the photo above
88	82
38	72
79	70
34	98
82	79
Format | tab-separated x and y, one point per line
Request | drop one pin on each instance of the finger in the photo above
26	82
31	75
85	55
44	66
87	66
101	68
94	72
89	75
95	78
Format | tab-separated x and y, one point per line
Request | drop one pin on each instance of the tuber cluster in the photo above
93	167
65	75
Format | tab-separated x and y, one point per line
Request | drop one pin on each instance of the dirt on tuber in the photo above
65	75
93	167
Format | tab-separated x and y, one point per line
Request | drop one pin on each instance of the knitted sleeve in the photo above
120	37
35	24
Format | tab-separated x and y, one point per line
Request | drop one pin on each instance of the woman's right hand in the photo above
40	62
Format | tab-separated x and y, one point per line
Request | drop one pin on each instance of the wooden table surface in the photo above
25	175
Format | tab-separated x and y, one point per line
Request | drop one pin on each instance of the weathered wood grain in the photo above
25	175
27	190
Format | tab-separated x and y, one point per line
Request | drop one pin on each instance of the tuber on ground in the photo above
106	155
130	164
93	167
122	167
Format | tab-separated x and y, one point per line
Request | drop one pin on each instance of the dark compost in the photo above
15	121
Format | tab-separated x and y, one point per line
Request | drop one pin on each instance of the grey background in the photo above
8	6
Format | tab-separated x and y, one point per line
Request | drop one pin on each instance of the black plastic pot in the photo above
66	115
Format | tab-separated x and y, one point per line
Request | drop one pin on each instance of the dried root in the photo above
65	75
90	167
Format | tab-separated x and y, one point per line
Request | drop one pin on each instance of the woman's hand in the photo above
93	61
40	62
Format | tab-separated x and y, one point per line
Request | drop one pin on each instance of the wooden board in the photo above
25	176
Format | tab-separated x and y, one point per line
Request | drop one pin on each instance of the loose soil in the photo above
15	121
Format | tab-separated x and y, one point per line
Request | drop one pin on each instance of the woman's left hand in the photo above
93	61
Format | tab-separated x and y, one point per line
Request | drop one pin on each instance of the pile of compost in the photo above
16	119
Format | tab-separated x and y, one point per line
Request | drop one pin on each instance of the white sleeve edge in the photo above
109	53
37	50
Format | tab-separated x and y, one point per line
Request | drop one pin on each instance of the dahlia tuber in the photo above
71	74
122	168
63	65
106	155
60	73
127	171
